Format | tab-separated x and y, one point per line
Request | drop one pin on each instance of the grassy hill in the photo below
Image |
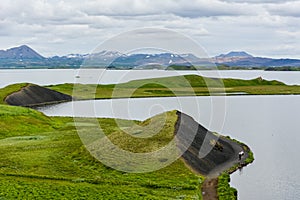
43	158
188	85
6	91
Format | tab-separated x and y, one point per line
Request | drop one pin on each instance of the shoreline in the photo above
209	154
221	153
217	161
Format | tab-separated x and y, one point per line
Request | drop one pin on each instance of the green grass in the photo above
4	92
250	158
187	85
23	121
140	144
43	158
225	192
30	188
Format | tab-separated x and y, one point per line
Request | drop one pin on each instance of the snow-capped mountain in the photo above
22	52
25	57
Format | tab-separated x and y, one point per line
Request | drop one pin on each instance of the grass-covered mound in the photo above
187	85
43	158
6	91
34	95
19	121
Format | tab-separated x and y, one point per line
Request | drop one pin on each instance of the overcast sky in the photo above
53	27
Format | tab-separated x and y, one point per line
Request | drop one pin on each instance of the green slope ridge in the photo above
42	158
188	85
6	91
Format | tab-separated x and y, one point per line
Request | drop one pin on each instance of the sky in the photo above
269	28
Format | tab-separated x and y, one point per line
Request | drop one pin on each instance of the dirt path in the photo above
209	189
214	173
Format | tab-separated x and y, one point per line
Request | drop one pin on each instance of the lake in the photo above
92	76
268	124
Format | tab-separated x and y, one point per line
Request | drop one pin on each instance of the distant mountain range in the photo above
243	59
25	57
20	53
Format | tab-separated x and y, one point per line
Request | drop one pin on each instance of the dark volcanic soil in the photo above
208	154
34	95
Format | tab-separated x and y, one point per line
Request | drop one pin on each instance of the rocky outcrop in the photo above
209	154
34	95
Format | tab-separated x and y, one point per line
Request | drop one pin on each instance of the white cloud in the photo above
192	8
61	27
261	1
289	34
285	9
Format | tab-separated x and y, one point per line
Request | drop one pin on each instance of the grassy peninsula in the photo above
44	158
187	85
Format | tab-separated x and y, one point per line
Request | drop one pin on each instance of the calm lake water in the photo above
58	76
268	124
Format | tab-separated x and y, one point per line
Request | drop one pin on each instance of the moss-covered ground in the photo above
188	85
43	158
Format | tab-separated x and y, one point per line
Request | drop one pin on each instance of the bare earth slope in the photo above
209	154
34	95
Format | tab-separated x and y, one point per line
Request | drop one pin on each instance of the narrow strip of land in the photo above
188	85
207	153
209	189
